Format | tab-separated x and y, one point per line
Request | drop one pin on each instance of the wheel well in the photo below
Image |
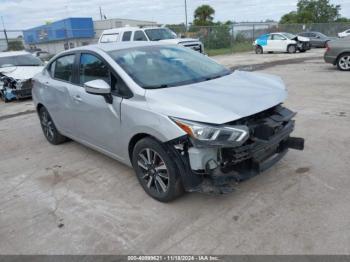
341	55
39	106
133	141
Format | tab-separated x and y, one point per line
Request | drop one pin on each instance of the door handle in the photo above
77	98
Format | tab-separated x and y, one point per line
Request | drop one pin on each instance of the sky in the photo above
24	14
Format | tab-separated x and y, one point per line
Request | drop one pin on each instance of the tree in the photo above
15	45
290	18
204	15
313	11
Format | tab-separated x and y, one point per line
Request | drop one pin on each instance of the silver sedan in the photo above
182	121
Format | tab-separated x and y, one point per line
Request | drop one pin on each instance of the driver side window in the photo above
278	37
92	68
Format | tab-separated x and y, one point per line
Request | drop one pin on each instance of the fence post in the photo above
232	37
253	33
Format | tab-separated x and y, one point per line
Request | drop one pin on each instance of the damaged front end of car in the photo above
14	89
213	158
303	43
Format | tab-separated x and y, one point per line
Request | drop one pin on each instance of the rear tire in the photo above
156	171
291	49
49	129
343	62
259	50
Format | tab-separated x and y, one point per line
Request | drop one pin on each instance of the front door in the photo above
278	43
95	120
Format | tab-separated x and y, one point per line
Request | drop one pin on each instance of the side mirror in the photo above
97	87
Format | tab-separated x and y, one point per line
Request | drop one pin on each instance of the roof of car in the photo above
126	28
13	53
107	47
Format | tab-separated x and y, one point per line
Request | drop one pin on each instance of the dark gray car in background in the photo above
317	39
338	53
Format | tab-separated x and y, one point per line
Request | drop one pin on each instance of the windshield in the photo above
20	60
160	34
289	36
154	67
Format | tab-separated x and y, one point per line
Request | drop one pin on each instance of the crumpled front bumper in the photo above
268	144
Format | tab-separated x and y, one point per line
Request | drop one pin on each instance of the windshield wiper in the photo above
156	86
29	65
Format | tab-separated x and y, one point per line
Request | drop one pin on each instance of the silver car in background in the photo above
338	53
182	121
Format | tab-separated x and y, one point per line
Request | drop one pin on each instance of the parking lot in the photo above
69	199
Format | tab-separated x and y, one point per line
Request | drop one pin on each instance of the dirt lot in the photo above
69	199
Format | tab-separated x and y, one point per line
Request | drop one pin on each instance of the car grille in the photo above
193	45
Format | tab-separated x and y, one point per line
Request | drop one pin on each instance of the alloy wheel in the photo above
47	125
344	62
154	171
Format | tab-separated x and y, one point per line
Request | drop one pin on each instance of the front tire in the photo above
343	62
156	171
49	129
292	49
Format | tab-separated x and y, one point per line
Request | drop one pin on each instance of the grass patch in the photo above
236	48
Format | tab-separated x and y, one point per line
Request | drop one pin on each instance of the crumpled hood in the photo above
302	38
221	100
21	72
179	40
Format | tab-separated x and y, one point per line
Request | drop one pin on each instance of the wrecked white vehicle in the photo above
16	72
281	42
180	119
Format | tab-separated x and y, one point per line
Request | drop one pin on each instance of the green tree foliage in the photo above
218	36
313	11
15	45
204	15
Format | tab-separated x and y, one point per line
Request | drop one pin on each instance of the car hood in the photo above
221	100
301	38
179	40
21	72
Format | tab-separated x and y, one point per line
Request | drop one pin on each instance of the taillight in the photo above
327	48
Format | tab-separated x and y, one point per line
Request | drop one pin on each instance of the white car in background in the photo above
161	34
344	34
17	69
281	42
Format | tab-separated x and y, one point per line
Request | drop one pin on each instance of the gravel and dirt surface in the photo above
69	199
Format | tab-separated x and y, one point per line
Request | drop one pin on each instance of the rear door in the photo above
95	120
57	83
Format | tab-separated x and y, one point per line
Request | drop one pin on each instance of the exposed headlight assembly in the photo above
214	135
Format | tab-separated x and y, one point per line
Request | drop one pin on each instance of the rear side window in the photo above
109	38
140	36
126	36
92	68
63	68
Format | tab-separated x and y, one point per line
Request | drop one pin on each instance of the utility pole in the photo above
186	15
5	33
101	13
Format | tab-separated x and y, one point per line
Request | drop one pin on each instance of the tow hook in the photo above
295	143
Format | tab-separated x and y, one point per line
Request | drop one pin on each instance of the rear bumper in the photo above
330	59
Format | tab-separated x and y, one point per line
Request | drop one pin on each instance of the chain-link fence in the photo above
223	39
